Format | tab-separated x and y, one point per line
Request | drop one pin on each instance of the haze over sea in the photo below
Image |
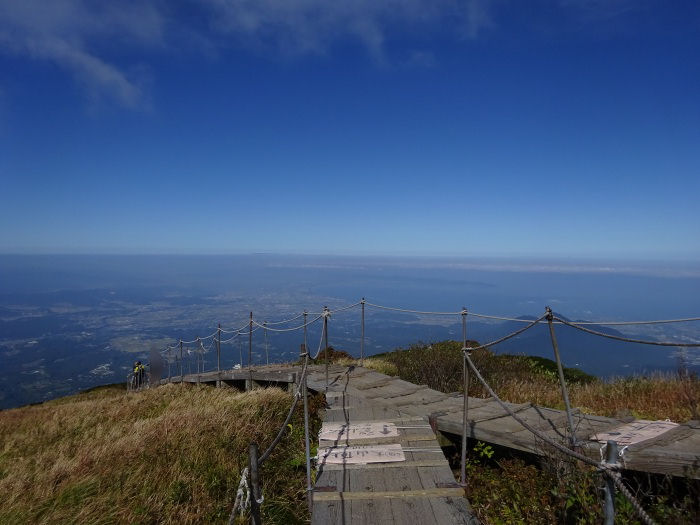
71	322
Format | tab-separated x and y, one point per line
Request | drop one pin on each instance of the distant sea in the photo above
72	322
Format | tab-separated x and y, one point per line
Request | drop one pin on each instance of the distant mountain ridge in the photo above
596	355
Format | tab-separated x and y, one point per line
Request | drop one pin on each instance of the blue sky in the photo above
432	127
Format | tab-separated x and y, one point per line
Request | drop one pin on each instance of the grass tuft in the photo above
172	454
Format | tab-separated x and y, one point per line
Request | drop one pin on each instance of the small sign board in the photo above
361	454
635	432
372	429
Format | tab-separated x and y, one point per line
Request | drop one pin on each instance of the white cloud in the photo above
313	26
83	36
79	35
66	32
96	75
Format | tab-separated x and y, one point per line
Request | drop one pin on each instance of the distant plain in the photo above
72	322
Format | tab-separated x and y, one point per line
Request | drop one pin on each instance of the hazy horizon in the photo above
70	322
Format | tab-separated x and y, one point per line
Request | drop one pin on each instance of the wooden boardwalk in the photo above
676	452
420	489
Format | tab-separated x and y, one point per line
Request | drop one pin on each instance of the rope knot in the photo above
464	311
614	467
550	315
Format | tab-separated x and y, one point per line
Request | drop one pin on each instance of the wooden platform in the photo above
420	490
676	452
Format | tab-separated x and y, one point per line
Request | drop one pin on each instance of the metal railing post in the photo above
325	331
218	356
305	346
362	338
465	374
250	349
254	484
307	443
199	356
609	501
267	355
182	371
560	370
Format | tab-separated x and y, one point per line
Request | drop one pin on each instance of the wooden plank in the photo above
368	385
675	454
423	397
328	443
274	376
391	390
381	492
389	494
447	510
399	464
372	510
333	512
413	509
359	372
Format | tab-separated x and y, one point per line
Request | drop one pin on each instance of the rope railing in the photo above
409	311
343	308
610	471
292	329
233	330
295	400
625	339
510	335
254	325
285	321
601	466
259	460
580	325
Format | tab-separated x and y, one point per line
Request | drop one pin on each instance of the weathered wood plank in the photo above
388	494
398	464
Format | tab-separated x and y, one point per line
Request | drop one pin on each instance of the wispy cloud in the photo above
67	32
79	35
314	26
84	36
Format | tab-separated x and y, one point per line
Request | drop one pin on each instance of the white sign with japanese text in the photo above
635	432
361	454
341	431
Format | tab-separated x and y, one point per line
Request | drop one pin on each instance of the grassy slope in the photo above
172	454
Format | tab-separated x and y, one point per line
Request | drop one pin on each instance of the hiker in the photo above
138	374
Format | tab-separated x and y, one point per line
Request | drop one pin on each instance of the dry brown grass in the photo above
171	455
659	396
